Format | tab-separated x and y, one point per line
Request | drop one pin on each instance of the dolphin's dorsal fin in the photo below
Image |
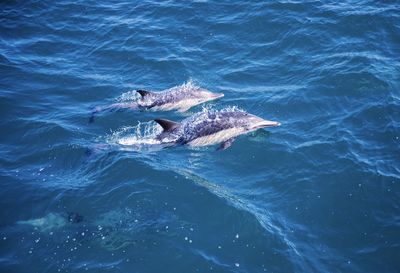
143	93
166	124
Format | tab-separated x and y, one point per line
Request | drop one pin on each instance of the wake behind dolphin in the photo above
180	98
208	127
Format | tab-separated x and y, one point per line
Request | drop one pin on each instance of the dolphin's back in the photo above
169	96
207	123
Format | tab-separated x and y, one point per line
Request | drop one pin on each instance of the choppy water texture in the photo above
318	194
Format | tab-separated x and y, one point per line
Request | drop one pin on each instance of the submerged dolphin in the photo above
180	98
112	230
211	127
52	221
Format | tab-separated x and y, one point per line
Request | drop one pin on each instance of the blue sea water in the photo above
318	194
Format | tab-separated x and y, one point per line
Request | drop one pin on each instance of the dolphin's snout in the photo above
217	95
269	123
273	123
266	123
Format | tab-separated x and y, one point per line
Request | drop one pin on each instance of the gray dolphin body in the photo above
180	98
211	127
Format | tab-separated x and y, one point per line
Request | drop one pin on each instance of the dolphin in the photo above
112	230
211	127
180	98
52	221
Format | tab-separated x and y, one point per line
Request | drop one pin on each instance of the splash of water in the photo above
131	95
144	133
188	86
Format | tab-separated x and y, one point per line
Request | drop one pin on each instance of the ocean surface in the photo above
320	193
